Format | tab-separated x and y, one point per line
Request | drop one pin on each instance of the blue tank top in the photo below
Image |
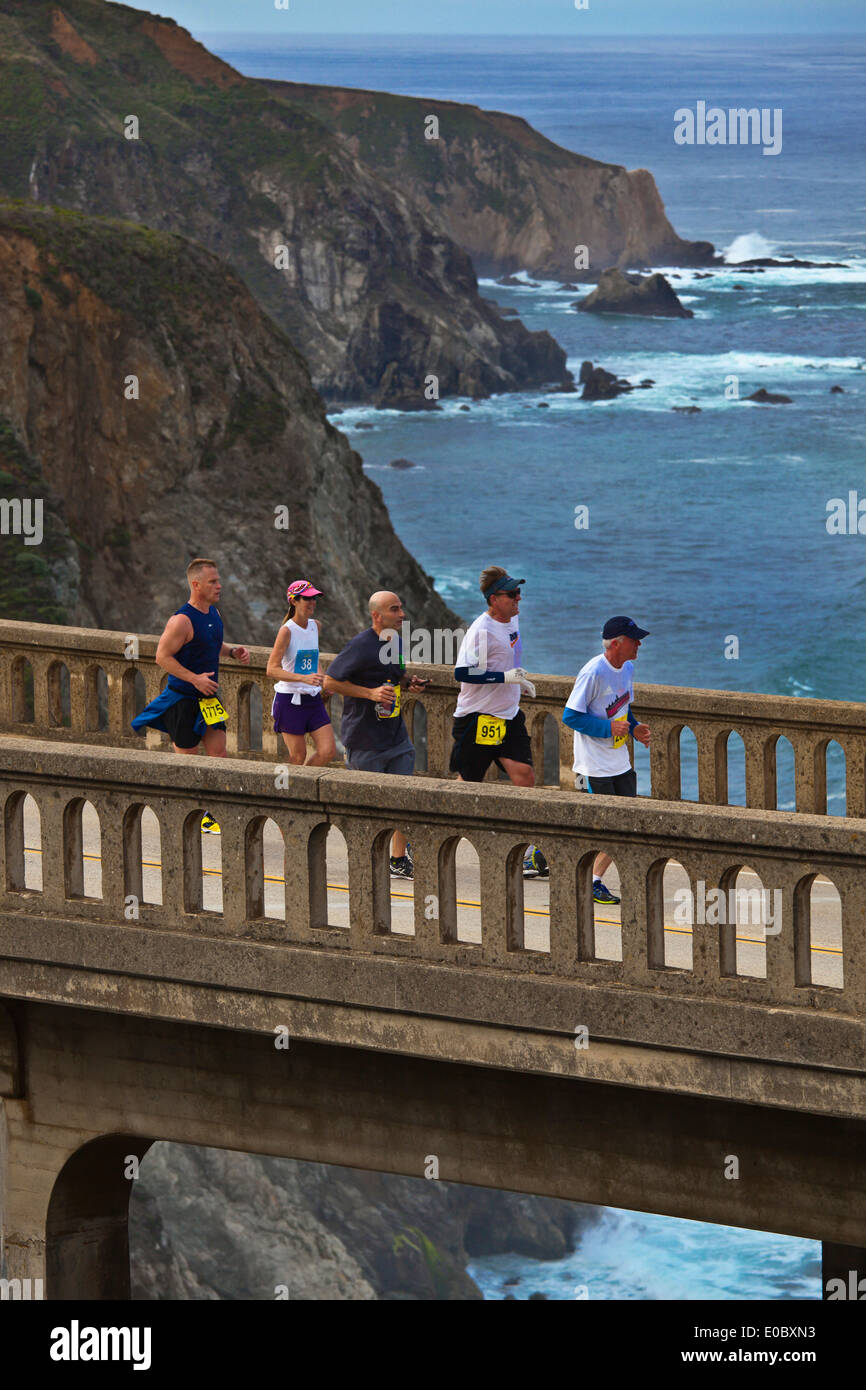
202	651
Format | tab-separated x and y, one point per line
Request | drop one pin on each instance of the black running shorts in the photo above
179	720
472	759
622	784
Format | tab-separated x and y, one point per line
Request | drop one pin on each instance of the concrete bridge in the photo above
272	991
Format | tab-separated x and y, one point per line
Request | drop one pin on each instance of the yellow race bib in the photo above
489	730
623	738
211	710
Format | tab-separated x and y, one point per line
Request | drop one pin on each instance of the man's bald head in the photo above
386	610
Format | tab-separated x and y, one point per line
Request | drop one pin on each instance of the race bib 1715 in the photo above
212	711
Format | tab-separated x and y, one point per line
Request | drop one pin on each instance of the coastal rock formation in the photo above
601	385
764	397
208	1224
370	288
792	263
505	193
166	416
629	294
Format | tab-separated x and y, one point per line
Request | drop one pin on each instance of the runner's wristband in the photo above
473	677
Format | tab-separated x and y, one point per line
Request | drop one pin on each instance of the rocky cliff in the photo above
207	1224
160	414
506	194
113	111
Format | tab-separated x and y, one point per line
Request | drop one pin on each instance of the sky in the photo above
504	17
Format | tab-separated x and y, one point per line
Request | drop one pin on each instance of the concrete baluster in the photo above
760	768
360	837
237	855
849	884
810	771
854	748
501	895
42	716
779	881
562	857
665	759
172	814
642	940
712	764
12	864
439	739
77	695
110	810
425	853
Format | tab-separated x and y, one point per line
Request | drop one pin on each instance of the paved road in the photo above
751	946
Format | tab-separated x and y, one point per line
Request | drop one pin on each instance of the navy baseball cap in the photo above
505	585
623	627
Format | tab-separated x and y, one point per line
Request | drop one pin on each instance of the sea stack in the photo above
617	293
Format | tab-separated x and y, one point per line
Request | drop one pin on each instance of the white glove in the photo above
519	675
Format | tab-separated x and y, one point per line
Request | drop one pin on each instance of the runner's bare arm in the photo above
379	694
178	630
274	668
236	653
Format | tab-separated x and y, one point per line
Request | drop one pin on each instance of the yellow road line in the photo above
465	902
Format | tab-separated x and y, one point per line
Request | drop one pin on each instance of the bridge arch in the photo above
87	1224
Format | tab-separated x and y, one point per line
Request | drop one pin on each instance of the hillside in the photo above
505	193
226	428
371	290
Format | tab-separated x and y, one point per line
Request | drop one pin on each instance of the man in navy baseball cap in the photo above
598	710
623	627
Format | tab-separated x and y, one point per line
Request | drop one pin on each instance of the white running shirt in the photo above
490	646
301	655
607	693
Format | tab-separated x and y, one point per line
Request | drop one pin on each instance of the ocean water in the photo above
701	526
636	1255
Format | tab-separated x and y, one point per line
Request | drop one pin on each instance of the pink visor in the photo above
302	588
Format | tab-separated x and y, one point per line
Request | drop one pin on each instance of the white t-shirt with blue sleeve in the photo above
602	691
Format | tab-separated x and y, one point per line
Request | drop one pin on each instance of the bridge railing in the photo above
711	844
82	685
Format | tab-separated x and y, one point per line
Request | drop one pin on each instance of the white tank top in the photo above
300	656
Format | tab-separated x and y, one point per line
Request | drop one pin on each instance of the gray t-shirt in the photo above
362	727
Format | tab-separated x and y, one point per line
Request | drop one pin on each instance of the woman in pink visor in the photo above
298	707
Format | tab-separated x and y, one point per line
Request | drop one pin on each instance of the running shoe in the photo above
209	825
402	867
600	894
535	864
